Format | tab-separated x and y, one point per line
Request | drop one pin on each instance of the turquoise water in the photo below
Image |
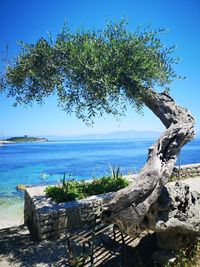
45	163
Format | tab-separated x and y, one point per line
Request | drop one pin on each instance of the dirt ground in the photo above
17	248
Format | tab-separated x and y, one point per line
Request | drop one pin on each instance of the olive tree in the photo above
97	72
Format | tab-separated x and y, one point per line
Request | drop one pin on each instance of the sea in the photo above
44	163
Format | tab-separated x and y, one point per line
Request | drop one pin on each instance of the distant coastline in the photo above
25	138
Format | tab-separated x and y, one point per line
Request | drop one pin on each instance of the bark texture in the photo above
132	208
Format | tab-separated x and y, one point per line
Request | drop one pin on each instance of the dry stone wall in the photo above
185	171
46	219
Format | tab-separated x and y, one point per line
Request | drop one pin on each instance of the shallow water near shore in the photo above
11	211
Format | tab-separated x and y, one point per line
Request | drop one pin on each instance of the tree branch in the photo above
130	205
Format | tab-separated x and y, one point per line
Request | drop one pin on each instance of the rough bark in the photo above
130	207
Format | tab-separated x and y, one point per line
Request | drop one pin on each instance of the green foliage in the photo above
58	194
104	185
73	190
91	71
173	178
115	171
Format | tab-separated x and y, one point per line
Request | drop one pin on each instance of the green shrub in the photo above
59	195
73	190
104	185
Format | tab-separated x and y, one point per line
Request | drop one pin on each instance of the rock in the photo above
21	187
178	216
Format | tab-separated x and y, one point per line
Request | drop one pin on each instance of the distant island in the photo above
26	138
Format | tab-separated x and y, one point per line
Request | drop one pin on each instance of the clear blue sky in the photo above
29	20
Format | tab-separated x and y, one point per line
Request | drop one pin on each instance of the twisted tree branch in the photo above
130	205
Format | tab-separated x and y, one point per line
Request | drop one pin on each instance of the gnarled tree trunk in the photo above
130	207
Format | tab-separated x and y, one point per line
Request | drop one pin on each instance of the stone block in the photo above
73	219
48	235
83	218
47	222
60	223
45	228
44	216
61	211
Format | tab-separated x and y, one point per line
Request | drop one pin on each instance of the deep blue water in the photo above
41	163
